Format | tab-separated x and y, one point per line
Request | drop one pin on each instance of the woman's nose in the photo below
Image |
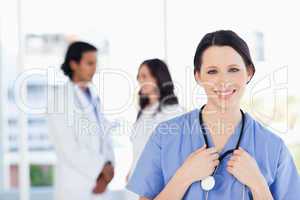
140	80
224	81
222	78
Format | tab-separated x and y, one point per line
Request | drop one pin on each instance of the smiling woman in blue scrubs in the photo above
217	152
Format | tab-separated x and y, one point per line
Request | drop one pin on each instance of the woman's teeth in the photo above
225	93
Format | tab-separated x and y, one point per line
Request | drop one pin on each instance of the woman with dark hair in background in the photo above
79	130
217	152
157	103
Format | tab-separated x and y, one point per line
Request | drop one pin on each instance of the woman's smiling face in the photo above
223	75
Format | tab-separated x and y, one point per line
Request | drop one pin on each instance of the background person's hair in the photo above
74	53
160	72
223	38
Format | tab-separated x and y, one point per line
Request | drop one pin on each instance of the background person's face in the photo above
223	75
147	82
86	68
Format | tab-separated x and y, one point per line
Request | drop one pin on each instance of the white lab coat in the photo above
82	146
143	128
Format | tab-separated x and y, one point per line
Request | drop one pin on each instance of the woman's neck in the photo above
153	99
221	120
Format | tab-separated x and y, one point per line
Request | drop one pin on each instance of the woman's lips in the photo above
224	94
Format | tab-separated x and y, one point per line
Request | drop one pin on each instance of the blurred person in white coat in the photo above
79	130
157	103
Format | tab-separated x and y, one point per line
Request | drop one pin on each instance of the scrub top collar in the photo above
198	139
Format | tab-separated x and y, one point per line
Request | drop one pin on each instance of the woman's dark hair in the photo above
159	70
223	38
75	52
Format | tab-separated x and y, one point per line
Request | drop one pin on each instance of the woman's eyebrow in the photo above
212	67
233	65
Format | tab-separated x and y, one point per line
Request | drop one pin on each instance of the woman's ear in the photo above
250	73
197	76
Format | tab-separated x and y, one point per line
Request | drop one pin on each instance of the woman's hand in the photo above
244	168
197	166
200	164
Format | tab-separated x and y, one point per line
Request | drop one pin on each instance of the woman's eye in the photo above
213	71
234	70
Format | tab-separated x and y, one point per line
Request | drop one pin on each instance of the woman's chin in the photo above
225	103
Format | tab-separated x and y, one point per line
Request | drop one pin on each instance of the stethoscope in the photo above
209	182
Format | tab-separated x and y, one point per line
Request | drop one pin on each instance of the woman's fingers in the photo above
216	163
211	150
208	151
214	156
230	163
235	158
201	149
243	150
240	152
230	169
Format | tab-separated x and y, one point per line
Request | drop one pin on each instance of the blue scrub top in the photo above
174	140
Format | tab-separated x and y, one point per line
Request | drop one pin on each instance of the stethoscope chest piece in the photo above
208	183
